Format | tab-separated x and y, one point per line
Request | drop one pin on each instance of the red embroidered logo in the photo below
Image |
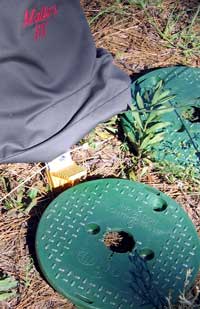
39	18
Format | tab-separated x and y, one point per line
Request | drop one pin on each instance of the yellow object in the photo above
63	173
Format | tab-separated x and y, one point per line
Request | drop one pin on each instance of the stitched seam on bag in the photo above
36	145
63	99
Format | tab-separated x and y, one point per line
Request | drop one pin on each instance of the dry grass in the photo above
17	258
17	254
128	33
112	239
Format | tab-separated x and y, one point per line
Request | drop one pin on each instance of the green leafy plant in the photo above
28	271
172	172
7	287
142	125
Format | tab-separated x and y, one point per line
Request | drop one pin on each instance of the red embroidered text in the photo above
39	19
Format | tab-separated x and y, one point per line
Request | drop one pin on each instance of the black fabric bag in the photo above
54	85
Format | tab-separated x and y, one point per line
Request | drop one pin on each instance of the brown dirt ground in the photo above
136	46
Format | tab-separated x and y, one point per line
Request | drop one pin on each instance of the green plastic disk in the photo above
182	138
117	244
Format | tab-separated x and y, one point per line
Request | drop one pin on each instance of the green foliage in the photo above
142	126
120	7
110	125
139	3
23	199
124	147
28	270
32	199
187	39
7	287
173	171
115	9
174	31
142	3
